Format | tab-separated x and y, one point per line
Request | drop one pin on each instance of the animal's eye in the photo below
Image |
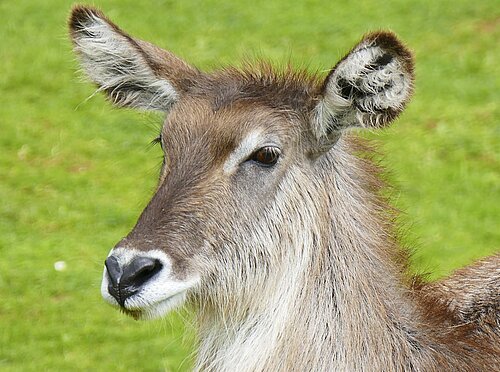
266	156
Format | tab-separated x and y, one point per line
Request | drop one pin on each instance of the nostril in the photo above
139	271
114	270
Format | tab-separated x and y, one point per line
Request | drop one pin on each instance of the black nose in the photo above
126	280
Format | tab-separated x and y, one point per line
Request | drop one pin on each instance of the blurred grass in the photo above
75	174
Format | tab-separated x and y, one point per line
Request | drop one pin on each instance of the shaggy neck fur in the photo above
336	298
334	285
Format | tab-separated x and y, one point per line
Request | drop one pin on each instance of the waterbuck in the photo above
268	216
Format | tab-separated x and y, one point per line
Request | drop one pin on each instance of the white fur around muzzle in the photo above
159	295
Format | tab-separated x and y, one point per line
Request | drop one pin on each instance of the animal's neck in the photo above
337	300
312	322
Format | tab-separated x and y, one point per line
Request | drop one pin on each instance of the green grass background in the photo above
75	173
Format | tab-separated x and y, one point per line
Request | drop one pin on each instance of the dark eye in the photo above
266	156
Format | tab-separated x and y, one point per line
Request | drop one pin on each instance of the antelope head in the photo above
242	189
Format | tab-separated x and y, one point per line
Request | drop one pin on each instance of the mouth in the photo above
153	310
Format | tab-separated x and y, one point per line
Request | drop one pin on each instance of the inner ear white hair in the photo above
368	88
131	72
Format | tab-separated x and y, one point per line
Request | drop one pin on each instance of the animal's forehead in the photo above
195	120
258	84
222	108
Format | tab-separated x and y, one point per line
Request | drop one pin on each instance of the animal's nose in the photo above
126	280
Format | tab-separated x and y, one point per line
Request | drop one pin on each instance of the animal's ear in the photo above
368	88
131	72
